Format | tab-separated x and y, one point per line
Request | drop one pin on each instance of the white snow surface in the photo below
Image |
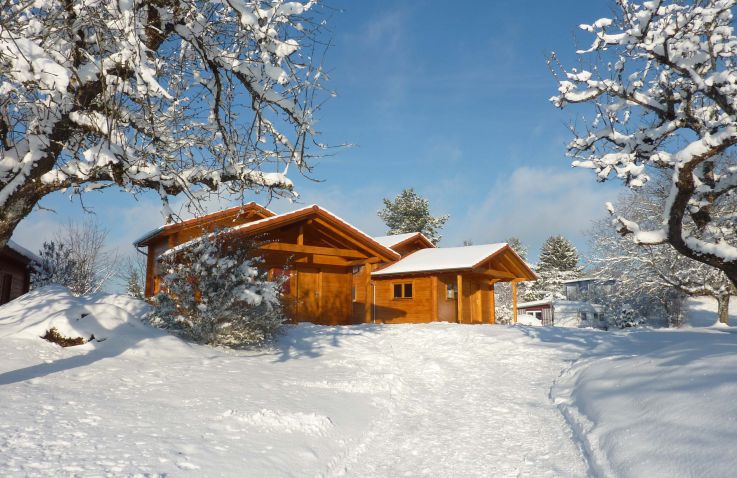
394	239
435	400
442	258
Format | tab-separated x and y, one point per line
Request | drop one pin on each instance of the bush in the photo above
213	292
53	335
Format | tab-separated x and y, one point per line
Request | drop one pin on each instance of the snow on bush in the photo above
213	292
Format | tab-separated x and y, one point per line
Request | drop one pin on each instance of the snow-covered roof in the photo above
23	251
535	303
393	240
296	214
443	258
556	303
235	209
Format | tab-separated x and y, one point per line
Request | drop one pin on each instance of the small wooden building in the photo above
15	271
336	274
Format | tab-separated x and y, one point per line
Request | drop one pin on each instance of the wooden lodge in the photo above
336	274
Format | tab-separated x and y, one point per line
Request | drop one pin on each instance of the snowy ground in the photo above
414	400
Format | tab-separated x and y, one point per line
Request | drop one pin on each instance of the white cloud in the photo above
534	203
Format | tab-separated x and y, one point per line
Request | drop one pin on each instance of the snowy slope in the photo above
437	400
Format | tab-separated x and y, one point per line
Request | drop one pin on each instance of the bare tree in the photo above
78	259
662	95
174	96
652	273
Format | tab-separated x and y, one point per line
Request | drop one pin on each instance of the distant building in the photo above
15	271
577	308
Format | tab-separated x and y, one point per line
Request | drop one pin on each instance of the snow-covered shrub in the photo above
213	292
626	317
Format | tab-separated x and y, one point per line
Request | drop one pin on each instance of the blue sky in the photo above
448	98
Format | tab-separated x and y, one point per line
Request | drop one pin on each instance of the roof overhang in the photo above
235	212
320	216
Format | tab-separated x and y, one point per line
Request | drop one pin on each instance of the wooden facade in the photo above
336	275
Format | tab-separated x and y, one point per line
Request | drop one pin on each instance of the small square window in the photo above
403	291
450	291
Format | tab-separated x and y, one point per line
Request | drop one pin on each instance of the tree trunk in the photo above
723	308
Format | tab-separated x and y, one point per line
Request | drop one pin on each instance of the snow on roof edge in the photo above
445	259
23	251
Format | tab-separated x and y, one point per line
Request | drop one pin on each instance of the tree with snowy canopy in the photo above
213	292
558	262
652	279
410	212
173	96
662	92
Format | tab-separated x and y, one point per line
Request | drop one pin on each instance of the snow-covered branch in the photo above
662	83
169	95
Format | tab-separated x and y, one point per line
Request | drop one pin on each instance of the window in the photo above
353	293
403	291
538	314
450	291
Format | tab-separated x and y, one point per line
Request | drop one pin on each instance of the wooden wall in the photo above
14	276
418	309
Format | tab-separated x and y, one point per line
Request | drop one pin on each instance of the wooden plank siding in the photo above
418	309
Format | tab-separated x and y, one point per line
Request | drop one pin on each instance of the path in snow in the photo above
468	401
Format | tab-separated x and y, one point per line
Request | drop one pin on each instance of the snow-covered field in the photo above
404	400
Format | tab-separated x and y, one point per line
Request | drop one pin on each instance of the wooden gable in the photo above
505	266
412	244
178	233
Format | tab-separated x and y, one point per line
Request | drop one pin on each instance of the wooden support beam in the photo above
319	260
495	274
361	262
341	234
325	251
434	282
514	302
459	298
492	301
301	235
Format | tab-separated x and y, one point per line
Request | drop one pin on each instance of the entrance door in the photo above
308	295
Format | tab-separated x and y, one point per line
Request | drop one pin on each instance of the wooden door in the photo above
308	295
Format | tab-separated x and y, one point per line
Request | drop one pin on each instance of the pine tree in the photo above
517	246
558	254
214	292
558	262
409	212
134	288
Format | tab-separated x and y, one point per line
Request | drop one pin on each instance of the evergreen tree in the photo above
214	292
517	246
134	288
558	254
56	267
558	262
410	212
